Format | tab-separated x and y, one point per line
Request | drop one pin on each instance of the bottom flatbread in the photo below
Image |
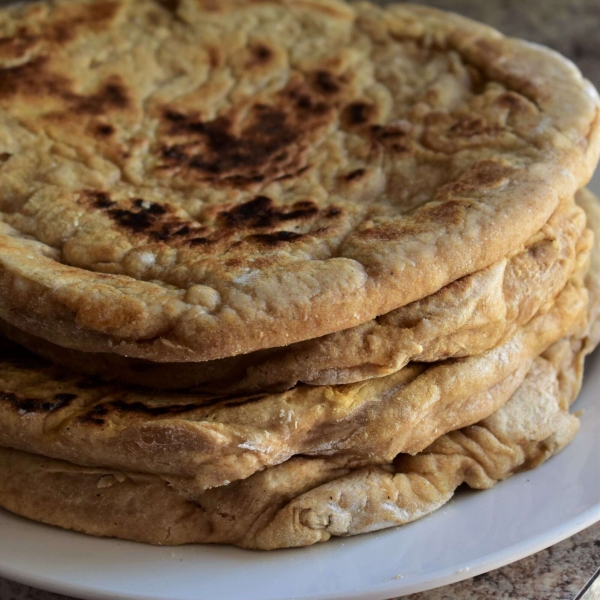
304	500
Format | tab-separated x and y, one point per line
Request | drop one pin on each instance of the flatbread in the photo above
207	441
467	317
191	180
302	501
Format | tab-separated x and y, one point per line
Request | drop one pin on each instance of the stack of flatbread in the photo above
274	271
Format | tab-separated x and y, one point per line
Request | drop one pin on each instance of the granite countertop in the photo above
557	573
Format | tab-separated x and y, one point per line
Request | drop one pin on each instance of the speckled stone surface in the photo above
573	28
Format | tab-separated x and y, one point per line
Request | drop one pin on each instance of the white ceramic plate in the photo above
474	533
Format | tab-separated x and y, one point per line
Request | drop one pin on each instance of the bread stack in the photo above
276	271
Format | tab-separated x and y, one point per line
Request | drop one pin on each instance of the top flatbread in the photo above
192	180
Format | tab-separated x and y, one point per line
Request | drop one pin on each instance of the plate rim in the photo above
455	574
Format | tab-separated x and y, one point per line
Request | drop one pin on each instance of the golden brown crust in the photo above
214	185
467	317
